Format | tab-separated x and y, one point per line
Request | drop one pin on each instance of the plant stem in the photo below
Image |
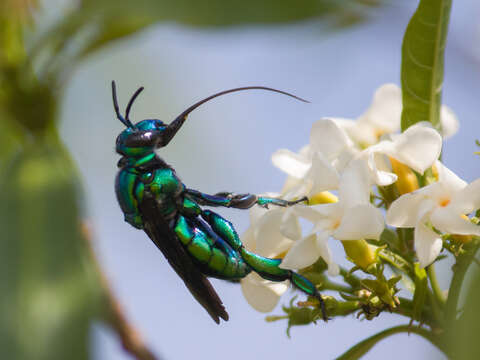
405	308
350	279
330	285
437	291
113	314
437	312
459	270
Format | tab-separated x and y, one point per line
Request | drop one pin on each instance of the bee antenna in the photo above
127	123
130	103
175	125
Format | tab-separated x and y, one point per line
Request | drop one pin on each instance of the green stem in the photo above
346	308
350	279
437	291
364	346
437	312
330	285
436	297
405	308
459	270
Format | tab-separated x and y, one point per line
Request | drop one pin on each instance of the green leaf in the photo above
357	351
421	288
396	261
390	238
360	349
49	292
422	63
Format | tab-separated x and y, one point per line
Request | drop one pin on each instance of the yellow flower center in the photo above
336	224
378	133
444	202
407	180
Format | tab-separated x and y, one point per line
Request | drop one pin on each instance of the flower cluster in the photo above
343	170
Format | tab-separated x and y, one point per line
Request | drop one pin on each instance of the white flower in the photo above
384	116
309	172
263	295
268	235
331	152
448	121
353	217
442	204
418	147
316	167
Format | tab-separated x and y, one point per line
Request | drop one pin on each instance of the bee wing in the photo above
163	237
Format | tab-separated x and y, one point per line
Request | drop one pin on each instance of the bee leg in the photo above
265	267
238	201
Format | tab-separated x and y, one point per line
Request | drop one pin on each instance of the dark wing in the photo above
163	237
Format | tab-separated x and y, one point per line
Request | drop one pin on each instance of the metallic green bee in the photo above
196	242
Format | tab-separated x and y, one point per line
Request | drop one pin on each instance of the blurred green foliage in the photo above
109	19
49	291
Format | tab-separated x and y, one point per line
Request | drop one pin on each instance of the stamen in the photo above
444	202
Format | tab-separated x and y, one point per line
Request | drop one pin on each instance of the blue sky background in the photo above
227	144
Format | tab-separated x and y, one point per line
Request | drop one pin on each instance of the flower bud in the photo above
360	253
323	197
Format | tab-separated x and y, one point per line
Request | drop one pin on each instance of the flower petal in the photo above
297	191
364	133
269	241
323	216
375	164
291	163
468	199
417	147
448	221
303	253
263	295
290	226
326	254
343	123
354	186
448	121
360	222
328	138
428	244
405	211
322	175
449	178
256	213
248	239
386	108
